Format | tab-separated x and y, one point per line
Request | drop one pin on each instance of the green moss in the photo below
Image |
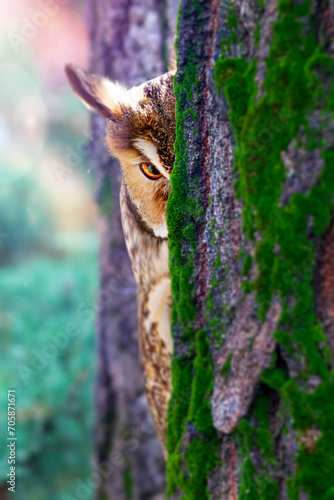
188	467
257	34
232	17
225	370
259	10
251	342
247	265
232	23
217	262
258	486
315	466
128	483
236	76
274	376
329	494
200	455
246	287
298	81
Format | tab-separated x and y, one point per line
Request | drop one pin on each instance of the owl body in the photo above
140	133
149	258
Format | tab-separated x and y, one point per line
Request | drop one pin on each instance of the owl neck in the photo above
148	253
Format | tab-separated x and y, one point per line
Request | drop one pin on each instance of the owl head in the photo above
140	132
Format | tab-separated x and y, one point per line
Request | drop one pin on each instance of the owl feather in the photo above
140	132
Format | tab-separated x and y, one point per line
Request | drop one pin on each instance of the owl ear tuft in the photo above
97	93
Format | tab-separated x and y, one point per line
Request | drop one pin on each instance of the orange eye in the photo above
150	171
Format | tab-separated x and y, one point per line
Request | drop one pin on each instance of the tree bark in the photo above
130	42
250	221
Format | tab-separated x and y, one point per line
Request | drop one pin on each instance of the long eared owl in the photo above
140	133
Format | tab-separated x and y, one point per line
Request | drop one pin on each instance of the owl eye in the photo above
150	171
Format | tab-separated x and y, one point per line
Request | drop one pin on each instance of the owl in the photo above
140	132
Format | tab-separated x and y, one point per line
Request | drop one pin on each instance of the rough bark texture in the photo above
251	243
130	40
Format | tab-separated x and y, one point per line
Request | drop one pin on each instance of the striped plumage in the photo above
140	133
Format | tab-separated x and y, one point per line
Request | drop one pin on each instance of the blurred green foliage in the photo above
48	274
46	302
25	218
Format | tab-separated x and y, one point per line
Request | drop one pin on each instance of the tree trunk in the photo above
251	251
130	40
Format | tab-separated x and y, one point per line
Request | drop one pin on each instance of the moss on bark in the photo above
191	437
293	110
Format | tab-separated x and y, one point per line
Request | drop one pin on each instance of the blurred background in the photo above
48	249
